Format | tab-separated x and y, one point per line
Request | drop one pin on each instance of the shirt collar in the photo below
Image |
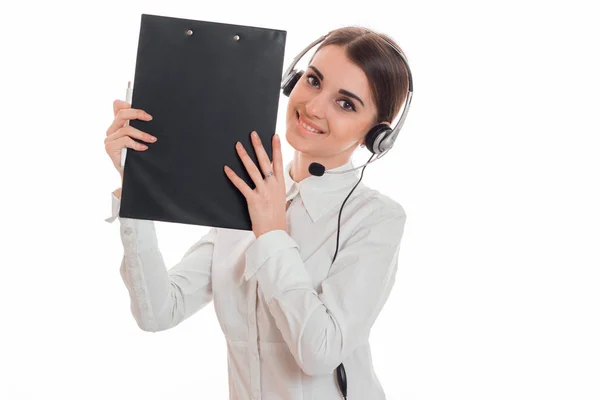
320	193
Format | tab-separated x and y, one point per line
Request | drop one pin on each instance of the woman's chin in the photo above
298	142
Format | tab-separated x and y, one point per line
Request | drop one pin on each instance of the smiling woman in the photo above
296	317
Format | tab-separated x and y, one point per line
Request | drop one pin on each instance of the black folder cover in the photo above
207	85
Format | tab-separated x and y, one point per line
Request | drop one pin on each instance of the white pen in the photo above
128	97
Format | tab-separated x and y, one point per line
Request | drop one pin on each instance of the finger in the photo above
131	132
125	115
250	167
238	182
261	154
123	142
118	105
277	157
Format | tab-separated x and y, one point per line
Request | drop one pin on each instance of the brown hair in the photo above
386	73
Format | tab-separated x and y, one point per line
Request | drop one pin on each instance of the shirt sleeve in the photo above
161	298
116	205
322	329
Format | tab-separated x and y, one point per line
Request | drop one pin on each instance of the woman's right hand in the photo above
119	135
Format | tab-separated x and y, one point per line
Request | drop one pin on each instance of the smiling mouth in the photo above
306	127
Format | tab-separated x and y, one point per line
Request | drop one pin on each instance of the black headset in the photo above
379	140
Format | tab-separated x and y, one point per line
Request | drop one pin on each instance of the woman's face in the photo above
333	97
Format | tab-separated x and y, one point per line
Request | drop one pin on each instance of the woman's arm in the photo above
161	298
321	330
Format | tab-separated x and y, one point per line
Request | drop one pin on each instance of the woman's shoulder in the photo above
380	203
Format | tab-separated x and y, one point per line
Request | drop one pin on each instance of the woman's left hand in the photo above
266	203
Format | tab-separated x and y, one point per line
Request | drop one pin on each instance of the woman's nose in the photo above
316	106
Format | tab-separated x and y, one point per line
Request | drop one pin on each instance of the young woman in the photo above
296	297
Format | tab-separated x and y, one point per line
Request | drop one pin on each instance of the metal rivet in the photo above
189	32
236	37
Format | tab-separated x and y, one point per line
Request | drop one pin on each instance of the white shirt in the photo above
289	319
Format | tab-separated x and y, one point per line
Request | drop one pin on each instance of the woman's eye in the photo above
312	81
347	105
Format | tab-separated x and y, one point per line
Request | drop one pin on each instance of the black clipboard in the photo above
207	85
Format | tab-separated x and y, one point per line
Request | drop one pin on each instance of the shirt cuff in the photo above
264	247
116	206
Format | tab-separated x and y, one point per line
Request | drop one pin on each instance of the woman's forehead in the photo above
338	70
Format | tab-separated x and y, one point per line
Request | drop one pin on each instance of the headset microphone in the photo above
316	169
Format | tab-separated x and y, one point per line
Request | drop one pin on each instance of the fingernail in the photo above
276	137
254	135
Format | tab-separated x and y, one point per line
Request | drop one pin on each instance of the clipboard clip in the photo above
190	32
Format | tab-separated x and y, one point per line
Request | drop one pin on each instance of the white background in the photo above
497	168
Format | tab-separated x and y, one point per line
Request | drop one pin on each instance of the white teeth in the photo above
308	128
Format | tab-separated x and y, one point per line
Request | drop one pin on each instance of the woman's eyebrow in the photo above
349	94
319	74
342	91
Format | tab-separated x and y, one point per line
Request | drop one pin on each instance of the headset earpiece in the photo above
290	81
375	137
